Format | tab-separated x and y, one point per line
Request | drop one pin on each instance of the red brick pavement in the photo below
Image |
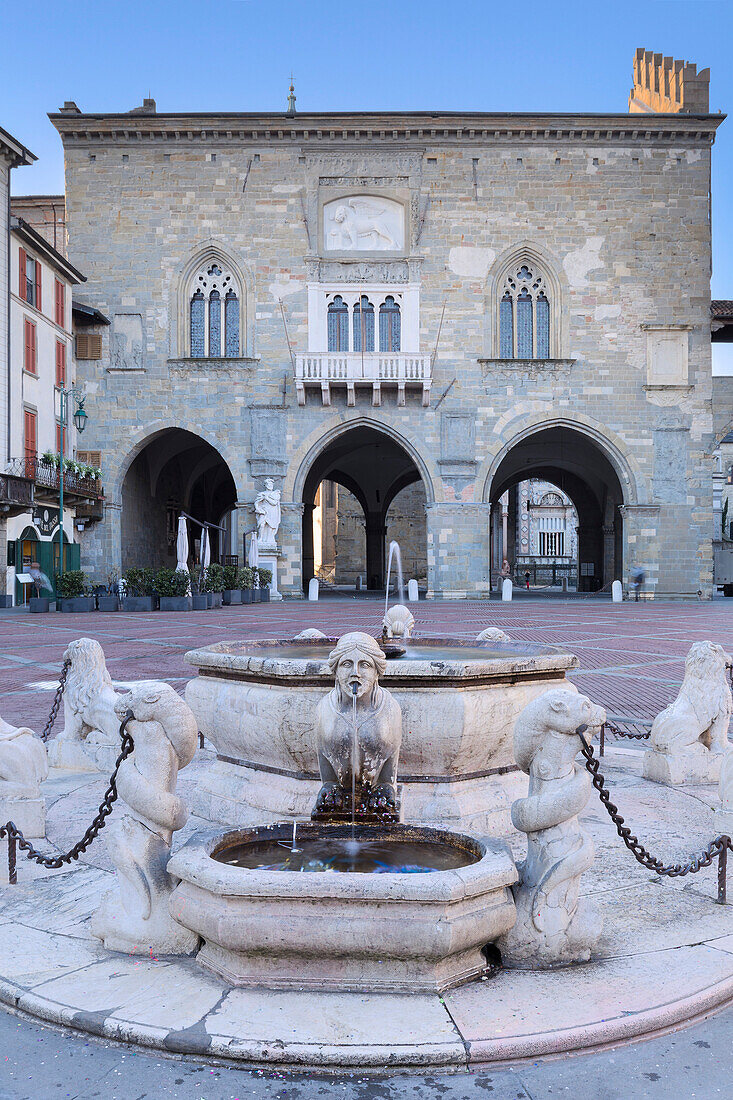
631	655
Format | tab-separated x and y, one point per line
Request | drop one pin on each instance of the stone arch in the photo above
205	252
631	478
532	254
147	434
319	440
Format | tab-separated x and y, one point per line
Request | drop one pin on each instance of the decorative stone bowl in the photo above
256	702
391	932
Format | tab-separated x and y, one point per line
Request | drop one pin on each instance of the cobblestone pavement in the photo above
631	655
39	1063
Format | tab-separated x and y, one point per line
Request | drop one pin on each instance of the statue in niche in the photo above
554	926
359	225
134	916
268	514
689	738
370	752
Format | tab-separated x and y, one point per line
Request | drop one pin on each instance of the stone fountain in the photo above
353	900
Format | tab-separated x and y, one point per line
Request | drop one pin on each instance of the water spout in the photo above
394	552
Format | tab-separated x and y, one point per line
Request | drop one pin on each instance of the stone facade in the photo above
593	202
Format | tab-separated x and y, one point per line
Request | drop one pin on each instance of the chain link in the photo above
717	848
57	700
15	836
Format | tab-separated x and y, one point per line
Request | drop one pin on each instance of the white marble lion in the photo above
91	725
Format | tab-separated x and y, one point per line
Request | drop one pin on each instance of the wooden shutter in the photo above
60	302
88	345
38	286
58	439
30	434
90	458
21	281
60	363
29	355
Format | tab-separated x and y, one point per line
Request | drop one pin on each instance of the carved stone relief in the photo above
363	223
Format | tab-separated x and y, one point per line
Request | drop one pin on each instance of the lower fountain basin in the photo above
399	930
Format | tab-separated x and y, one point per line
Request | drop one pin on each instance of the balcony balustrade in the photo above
45	477
348	370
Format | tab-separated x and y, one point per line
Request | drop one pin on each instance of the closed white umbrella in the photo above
205	549
253	558
182	544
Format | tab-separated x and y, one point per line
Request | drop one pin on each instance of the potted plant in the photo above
215	583
73	592
246	580
265	576
139	590
199	599
171	587
231	593
109	600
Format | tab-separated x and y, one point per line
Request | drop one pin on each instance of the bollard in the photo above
617	592
359	583
506	590
313	589
412	592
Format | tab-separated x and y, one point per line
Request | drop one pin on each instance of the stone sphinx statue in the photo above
553	927
23	767
689	738
357	698
398	622
134	916
90	738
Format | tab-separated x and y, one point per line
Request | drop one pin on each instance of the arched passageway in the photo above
175	470
374	469
582	471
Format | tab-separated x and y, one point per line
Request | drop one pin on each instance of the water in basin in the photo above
374	856
415	651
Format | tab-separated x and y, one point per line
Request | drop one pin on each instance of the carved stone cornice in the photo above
193	367
526	368
398	132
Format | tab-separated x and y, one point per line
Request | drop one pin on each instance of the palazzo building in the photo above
450	303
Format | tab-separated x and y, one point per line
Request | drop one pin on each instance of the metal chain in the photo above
716	849
57	700
15	836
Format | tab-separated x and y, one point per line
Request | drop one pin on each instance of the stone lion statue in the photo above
689	738
134	916
23	763
357	663
90	721
554	926
492	634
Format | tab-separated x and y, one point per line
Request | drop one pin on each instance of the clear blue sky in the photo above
235	55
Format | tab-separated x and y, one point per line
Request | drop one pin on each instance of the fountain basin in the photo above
347	931
256	702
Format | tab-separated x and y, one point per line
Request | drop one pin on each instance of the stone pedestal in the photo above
268	558
696	764
28	814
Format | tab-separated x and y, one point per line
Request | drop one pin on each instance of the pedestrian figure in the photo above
526	577
638	576
40	580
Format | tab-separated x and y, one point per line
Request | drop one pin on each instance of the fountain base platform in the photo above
342	931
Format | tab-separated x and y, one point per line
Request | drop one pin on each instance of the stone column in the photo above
290	537
309	560
376	532
609	553
458	549
641	544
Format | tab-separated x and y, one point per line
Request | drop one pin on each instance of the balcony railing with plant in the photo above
79	479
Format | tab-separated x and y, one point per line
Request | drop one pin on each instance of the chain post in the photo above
723	872
57	701
12	857
602	740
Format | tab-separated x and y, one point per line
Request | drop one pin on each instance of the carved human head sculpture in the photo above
340	215
357	662
269	484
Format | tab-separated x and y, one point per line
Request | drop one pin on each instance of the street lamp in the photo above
80	421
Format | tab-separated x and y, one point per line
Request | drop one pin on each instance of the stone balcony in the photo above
347	370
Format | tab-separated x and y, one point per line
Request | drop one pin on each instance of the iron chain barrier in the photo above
717	848
56	701
17	840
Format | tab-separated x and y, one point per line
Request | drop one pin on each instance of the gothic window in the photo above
338	325
524	315
389	325
214	332
363	325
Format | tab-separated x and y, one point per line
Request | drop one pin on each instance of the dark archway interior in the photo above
175	471
373	467
574	463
